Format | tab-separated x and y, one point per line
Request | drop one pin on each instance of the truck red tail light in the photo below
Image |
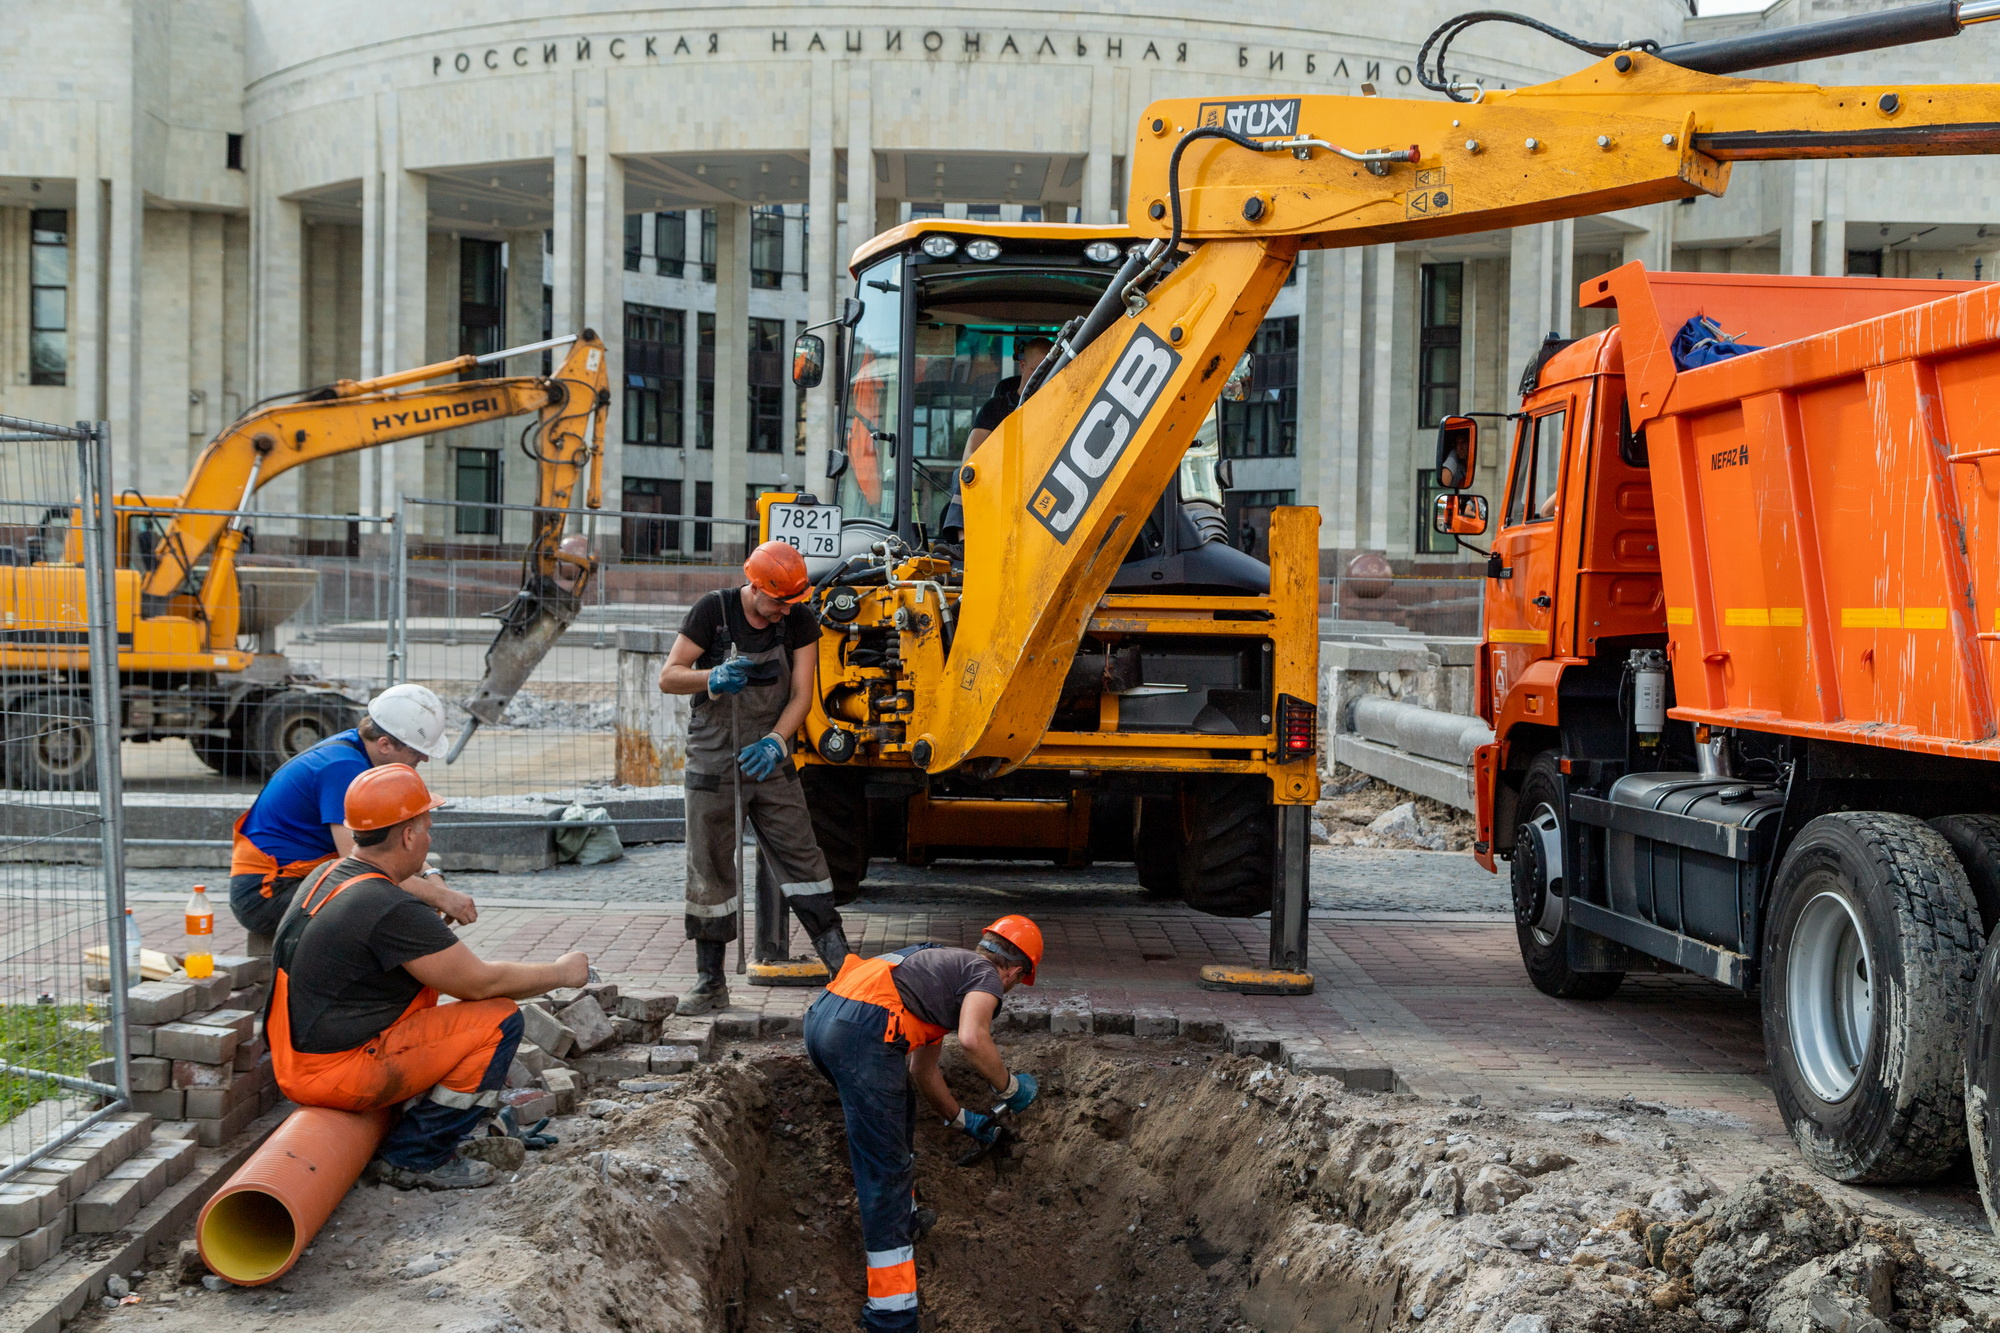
1298	727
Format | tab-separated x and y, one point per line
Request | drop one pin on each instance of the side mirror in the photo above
1456	515
808	360
850	312
1225	474
1458	453
836	464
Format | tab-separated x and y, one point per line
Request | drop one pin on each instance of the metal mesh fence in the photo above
62	918
1430	606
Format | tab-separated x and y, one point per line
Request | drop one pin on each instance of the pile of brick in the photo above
198	1049
598	1035
97	1182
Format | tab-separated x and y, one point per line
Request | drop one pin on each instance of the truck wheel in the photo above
1225	856
289	724
50	744
839	805
1541	892
1871	961
228	755
1976	839
1982	1081
1156	846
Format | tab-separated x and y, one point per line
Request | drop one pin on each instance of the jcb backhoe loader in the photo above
1015	688
181	598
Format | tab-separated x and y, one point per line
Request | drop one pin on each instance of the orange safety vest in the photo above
870	981
247	858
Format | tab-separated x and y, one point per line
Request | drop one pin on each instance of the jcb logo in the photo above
1273	118
1094	447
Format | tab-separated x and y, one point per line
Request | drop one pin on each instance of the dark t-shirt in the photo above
716	620
1006	397
934	982
346	973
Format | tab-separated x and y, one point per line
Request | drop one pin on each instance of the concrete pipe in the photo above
255	1227
1447	737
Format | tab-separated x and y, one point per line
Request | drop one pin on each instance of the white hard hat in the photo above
412	714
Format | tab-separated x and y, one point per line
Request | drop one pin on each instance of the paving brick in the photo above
23	1207
210	1103
89	1169
612	1065
1071	1016
243	970
150	1172
215	1133
10	1259
243	1020
696	1032
630	1030
646	1006
250	1053
36	1248
1155	1023
138	1039
193	1074
586	1020
1207	1031
562	1085
545	1030
531	1057
1112	1021
781	1025
71	1179
735	1027
197	1042
530	1105
673	1059
210	992
156	1002
110	1205
1021	1018
605	993
252	998
178	1154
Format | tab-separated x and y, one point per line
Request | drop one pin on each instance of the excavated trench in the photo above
1162	1187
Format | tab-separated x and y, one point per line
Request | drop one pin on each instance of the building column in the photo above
1833	231
1531	278
566	221
819	268
1795	237
1653	245
1097	164
604	279
122	307
405	251
524	298
728	467
860	158
86	249
1323	404
1381	451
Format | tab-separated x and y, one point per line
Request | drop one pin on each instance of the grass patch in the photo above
55	1037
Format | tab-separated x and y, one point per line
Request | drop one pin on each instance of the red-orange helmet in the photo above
776	569
387	795
1024	935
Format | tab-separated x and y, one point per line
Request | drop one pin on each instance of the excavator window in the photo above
1538	451
874	397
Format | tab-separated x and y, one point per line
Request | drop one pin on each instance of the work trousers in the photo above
258	912
776	809
879	1103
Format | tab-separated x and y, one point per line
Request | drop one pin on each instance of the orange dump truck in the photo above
1742	642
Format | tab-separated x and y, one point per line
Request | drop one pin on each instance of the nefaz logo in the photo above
442	412
1723	458
1276	118
1115	414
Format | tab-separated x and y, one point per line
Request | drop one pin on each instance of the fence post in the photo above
399	597
100	559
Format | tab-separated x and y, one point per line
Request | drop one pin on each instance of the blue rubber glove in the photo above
760	759
982	1128
728	677
1021	1093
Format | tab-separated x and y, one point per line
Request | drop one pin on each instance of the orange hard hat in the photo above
1024	935
387	795
776	569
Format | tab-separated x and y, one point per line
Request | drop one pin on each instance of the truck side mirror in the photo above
1225	474
808	360
850	312
836	464
1458	453
1456	515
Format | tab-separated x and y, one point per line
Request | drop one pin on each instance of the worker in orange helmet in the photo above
355	1023
876	1035
747	655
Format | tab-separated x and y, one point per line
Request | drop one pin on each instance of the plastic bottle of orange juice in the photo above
200	934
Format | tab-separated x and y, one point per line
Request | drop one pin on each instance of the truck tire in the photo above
1540	890
228	755
839	804
1156	846
1230	829
51	745
1982	1081
1976	839
1871	963
291	722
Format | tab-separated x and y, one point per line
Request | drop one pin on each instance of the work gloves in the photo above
1019	1094
984	1129
760	759
728	677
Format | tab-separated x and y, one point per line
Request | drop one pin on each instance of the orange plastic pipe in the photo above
255	1227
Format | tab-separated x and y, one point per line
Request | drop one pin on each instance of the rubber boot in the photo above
831	946
710	991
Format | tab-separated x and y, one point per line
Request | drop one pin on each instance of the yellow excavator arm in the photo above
1233	188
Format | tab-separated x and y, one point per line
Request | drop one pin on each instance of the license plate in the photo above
813	529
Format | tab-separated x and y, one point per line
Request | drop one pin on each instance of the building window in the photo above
767	247
48	296
635	233
767	386
482	304
655	364
704	507
918	211
1438	361
651	538
805	247
548	327
704	380
1267	424
982	212
1031	212
708	245
1430	541
233	153
670	242
477	482
1864	263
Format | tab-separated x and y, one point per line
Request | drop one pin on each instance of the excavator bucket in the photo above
530	625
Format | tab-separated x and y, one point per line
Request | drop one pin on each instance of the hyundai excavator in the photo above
1077	672
183	604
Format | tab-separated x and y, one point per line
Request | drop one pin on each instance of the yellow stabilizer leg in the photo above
800	972
1256	980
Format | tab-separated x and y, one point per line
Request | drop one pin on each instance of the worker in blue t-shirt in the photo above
296	823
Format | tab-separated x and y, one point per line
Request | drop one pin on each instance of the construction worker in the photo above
876	1035
747	656
355	1022
294	824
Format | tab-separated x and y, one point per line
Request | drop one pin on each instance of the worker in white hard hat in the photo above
296	822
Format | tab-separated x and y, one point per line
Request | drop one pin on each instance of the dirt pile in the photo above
1157	1187
1356	810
